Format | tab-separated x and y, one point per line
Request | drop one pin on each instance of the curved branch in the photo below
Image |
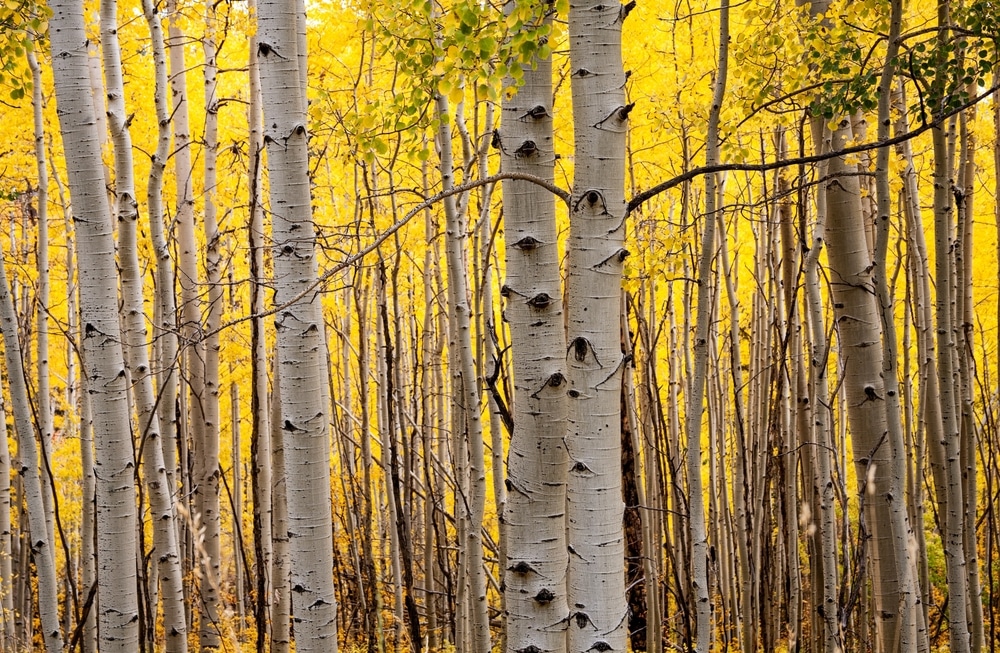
392	229
646	195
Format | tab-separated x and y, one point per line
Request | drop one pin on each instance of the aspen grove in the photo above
516	326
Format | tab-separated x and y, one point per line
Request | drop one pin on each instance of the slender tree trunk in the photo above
103	357
43	408
861	351
260	436
695	403
466	390
537	463
136	346
300	329
42	548
7	618
594	507
281	611
965	327
208	481
953	531
912	634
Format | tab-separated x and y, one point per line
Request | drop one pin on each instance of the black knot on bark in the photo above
600	646
521	567
537	112
580	467
556	380
540	301
625	110
264	49
531	648
573	394
527	148
580	347
300	130
582	619
288	426
527	244
544	596
505	291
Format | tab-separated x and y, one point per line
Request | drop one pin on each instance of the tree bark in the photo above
534	516
103	356
594	507
300	329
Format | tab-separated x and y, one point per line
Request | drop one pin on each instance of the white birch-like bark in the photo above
300	329
261	425
204	482
88	553
43	389
7	631
965	325
534	517
209	479
281	601
821	428
859	329
136	346
103	356
912	631
594	506
703	335
953	526
166	307
466	391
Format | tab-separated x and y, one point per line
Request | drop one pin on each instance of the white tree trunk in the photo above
300	329
103	356
209	480
42	392
535	513
594	507
136	345
42	548
466	390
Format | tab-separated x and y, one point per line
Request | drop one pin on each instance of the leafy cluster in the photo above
21	23
443	49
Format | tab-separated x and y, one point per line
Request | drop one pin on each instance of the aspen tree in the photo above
103	356
165	324
953	532
43	398
534	517
281	602
912	634
821	432
594	507
42	548
466	391
197	419
858	323
136	346
695	407
299	327
209	479
260	435
7	630
964	327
